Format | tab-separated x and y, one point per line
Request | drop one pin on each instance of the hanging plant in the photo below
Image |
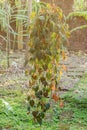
48	36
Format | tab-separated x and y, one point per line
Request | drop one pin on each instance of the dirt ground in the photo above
76	64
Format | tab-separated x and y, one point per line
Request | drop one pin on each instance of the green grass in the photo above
72	117
18	119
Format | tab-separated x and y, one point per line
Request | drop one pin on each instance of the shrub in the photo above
48	36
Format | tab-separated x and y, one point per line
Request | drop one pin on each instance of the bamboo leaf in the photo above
77	28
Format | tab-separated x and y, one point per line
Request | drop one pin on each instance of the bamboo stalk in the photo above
8	34
20	29
29	10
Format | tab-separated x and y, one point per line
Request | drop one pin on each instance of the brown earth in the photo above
78	39
76	64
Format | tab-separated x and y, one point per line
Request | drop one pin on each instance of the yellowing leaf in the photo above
64	67
30	44
58	50
68	34
53	87
63	55
50	71
48	6
60	15
32	15
53	35
60	73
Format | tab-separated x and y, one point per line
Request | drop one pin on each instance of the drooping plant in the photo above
79	10
78	14
48	36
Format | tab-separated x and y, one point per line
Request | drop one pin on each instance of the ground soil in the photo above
76	64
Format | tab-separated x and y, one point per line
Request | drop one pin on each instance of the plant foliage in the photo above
78	14
48	36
